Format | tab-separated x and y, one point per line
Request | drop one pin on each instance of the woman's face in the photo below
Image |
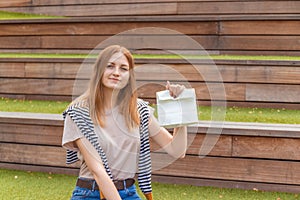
116	73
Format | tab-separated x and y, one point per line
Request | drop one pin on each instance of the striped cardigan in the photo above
80	115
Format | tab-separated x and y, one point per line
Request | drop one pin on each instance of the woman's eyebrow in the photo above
112	62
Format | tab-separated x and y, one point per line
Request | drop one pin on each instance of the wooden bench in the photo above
238	82
244	155
220	27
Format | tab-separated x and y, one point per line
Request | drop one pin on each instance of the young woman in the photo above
108	129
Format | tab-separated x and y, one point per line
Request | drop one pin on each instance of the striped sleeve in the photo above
144	174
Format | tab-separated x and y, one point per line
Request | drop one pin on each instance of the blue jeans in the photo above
86	194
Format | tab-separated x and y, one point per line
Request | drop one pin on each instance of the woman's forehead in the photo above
118	57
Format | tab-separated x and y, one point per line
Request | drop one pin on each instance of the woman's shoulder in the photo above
77	106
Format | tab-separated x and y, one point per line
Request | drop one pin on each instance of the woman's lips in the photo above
114	79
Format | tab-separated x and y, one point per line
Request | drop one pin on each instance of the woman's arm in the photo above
96	167
175	144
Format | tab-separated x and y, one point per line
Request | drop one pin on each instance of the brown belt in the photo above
92	185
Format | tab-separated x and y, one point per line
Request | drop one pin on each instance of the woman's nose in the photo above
116	71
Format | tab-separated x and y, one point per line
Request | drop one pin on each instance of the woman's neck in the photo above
110	98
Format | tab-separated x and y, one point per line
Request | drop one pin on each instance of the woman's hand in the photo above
175	89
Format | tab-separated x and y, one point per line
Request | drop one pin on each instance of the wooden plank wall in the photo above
245	155
222	27
144	7
245	83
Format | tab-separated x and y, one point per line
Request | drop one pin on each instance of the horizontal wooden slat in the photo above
53	70
159	18
36	86
246	73
184	72
70	2
31	134
222	147
161	8
260	52
259	27
197	144
286	43
163	42
33	154
268	74
273	93
20	42
267	171
237	7
216	91
261	147
12	3
12	69
102	28
210	51
102	10
247	129
226	183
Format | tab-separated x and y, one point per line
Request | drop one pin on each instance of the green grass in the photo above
14	105
220	57
4	15
255	57
23	185
233	114
261	115
154	56
41	55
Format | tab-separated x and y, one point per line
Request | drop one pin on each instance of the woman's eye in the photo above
110	66
124	68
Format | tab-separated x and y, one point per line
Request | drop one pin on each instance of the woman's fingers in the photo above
175	89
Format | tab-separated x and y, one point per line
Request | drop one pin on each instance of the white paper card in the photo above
173	112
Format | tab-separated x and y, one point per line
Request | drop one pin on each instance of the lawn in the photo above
233	114
23	185
15	105
154	56
4	15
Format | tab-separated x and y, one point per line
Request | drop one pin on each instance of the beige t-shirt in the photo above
120	145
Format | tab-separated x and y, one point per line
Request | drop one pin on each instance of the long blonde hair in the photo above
127	96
